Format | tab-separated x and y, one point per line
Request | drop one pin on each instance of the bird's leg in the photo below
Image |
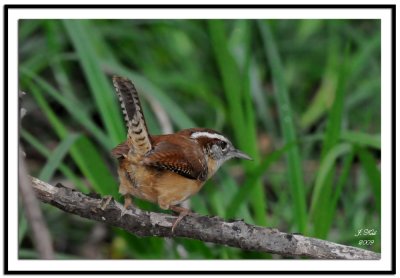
182	213
128	203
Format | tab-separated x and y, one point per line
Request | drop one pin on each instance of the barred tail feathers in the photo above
138	136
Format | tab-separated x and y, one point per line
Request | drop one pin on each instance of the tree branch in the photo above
209	229
39	232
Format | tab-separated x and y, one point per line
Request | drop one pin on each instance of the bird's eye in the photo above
224	146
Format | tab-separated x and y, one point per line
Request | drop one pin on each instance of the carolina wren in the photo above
165	169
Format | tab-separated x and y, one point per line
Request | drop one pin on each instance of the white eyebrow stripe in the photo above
208	135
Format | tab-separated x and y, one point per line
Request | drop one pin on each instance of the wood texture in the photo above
234	233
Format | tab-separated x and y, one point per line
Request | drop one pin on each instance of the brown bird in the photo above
165	169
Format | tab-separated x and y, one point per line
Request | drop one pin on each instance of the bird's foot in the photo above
128	205
182	213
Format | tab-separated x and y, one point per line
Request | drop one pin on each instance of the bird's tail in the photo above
138	136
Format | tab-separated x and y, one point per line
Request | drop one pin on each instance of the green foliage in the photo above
296	179
80	34
331	149
235	81
299	96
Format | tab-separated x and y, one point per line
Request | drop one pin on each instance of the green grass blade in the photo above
73	107
54	33
36	63
104	59
22	226
333	130
264	112
322	100
325	95
353	137
327	165
295	173
231	78
46	153
366	91
248	185
322	193
27	27
57	156
83	152
93	167
373	173
80	33
259	200
347	164
236	89
362	57
323	205
228	190
177	114
110	64
362	139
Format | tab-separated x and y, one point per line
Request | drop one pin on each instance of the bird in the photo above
165	169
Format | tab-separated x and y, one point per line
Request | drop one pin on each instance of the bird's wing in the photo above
185	161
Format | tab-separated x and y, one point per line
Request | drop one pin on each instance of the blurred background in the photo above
302	97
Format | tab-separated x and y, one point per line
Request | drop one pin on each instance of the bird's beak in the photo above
240	154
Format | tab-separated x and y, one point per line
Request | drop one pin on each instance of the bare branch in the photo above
209	229
40	234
